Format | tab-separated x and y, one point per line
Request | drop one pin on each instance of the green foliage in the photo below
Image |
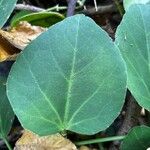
18	16
6	113
128	3
72	77
44	19
133	40
6	8
137	139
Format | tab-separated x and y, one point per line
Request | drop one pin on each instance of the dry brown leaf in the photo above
7	51
31	141
17	39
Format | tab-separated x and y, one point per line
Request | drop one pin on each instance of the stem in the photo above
101	10
37	9
7	143
95	4
60	8
28	7
107	139
57	8
71	7
119	7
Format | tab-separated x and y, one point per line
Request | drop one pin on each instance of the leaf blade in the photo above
72	72
6	8
135	51
6	112
128	3
137	138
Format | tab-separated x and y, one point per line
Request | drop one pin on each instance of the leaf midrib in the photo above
72	75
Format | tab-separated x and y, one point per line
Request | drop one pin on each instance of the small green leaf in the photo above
6	113
72	77
44	19
19	15
128	3
137	139
6	8
133	40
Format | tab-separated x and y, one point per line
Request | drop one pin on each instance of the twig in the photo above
95	4
132	115
100	10
71	7
28	7
56	8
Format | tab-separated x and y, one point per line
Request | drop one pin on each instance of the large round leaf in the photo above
133	39
137	139
6	8
72	77
6	113
128	3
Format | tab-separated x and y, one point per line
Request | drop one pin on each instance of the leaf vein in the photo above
88	99
41	91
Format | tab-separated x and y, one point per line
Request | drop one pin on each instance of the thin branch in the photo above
56	8
71	7
28	7
95	4
132	115
90	11
100	10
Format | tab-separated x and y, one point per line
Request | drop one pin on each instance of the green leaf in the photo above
133	40
6	8
72	77
19	15
128	3
44	19
137	139
6	113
